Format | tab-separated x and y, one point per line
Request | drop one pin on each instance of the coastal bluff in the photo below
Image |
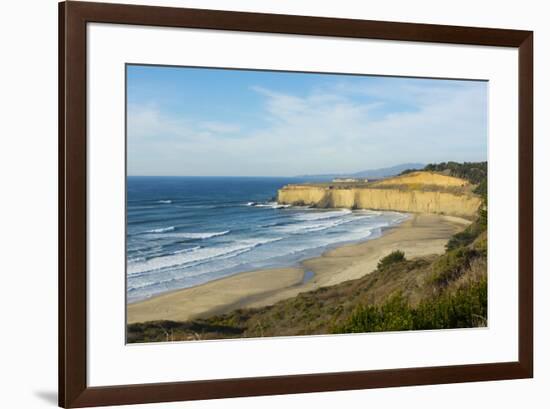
415	192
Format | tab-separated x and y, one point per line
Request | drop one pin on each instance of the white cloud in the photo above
220	127
337	129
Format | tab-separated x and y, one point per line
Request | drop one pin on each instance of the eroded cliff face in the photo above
369	196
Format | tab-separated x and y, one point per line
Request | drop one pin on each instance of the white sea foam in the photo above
198	256
319	222
188	250
135	287
299	228
198	236
165	201
323	215
135	259
271	205
161	230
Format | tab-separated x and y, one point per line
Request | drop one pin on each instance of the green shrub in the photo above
461	239
396	256
481	189
451	265
471	233
394	315
480	245
482	218
465	308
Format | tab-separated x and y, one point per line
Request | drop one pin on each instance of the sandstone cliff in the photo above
419	192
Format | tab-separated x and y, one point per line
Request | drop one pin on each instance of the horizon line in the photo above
213	176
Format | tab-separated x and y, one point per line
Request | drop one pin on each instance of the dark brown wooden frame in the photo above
73	388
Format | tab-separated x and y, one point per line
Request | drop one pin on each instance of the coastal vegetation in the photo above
389	260
442	291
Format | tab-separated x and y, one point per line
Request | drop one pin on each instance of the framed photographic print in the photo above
255	204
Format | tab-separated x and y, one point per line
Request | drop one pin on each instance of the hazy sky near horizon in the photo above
217	122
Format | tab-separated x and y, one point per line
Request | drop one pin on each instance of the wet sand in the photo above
420	235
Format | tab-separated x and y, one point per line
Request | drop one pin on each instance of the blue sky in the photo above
217	122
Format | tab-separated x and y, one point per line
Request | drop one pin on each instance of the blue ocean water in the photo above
185	231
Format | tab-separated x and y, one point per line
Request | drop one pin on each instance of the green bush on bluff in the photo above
464	308
392	258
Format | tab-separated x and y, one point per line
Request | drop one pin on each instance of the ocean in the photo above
185	231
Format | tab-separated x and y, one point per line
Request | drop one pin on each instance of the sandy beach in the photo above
421	234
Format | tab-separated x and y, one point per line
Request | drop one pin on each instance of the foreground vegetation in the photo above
435	292
466	307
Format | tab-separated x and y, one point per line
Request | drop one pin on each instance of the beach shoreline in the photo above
419	235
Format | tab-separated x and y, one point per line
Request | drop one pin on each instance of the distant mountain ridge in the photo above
370	174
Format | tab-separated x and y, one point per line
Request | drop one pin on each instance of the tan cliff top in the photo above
420	180
423	178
